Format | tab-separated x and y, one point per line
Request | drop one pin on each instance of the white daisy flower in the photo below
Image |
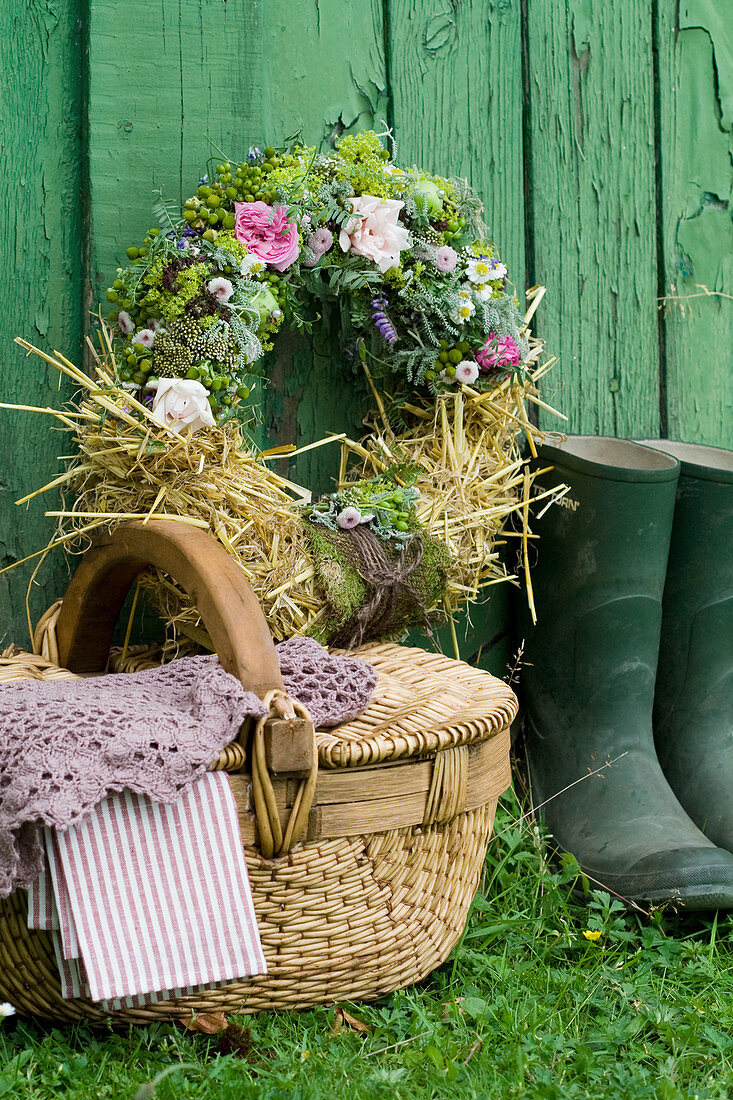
483	269
477	269
483	291
250	265
465	310
6	1010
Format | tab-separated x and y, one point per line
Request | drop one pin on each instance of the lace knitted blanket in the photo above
67	744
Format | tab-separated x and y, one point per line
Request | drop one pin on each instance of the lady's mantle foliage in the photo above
258	246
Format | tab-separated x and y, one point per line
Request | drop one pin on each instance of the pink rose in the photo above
266	231
374	231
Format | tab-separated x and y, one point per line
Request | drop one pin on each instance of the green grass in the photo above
526	1006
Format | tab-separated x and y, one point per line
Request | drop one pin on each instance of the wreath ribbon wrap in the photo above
372	589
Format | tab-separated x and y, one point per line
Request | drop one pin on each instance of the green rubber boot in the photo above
693	704
589	674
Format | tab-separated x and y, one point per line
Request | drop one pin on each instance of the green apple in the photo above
429	191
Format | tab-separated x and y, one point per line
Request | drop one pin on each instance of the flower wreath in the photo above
263	242
426	311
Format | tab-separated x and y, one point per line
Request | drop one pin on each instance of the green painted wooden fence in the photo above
598	134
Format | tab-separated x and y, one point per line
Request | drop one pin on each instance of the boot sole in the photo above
700	894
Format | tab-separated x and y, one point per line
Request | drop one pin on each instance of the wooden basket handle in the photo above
228	607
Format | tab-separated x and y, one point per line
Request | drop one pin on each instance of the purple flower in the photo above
382	321
348	518
446	259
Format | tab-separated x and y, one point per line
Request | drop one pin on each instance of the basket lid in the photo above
423	703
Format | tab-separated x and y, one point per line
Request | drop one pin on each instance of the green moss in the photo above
345	591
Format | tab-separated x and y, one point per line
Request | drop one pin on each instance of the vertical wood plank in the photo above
456	78
42	273
696	116
590	114
455	74
165	76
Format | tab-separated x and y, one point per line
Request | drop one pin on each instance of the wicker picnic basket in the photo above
364	843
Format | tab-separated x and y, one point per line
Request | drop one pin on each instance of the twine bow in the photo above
388	583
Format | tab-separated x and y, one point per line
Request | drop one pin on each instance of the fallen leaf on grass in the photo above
208	1023
341	1017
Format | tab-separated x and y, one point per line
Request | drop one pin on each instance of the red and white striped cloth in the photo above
146	901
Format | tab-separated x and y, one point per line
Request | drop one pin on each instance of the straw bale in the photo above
465	447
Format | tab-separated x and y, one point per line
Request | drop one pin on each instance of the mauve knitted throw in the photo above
67	744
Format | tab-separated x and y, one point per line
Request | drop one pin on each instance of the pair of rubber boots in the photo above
633	646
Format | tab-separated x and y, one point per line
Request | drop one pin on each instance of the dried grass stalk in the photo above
470	474
471	478
209	479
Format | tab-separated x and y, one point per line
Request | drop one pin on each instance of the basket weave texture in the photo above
378	893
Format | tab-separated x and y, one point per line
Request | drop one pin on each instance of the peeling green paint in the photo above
703	165
706	242
696	187
716	19
547	106
592	210
456	82
42	271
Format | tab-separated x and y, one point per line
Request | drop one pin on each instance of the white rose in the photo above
181	403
